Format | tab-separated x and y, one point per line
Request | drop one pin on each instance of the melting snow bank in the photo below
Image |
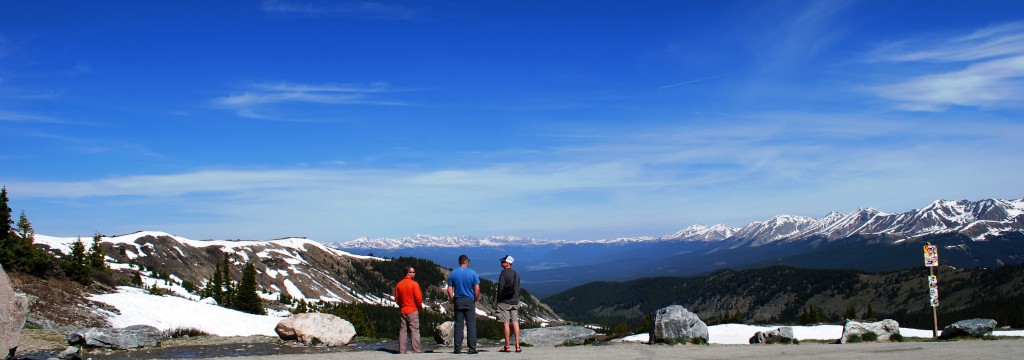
740	334
138	307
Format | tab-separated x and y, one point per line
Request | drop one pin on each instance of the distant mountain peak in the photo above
976	219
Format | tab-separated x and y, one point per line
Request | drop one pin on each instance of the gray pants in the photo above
465	317
409	329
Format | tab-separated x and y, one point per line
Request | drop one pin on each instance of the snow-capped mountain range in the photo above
977	220
300	268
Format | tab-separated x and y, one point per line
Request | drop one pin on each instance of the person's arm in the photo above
418	297
476	292
502	283
451	293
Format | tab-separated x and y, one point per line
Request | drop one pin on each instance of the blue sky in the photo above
548	119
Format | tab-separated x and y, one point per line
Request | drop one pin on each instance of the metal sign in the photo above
933	290
931	256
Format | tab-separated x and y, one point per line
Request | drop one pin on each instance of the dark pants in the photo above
465	318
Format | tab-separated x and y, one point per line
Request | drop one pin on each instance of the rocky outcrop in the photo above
558	335
70	353
675	323
132	337
444	334
316	328
970	327
883	330
782	335
13	310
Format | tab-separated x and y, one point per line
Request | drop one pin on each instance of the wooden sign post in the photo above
931	260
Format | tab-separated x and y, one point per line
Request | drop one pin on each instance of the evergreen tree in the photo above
301	307
228	293
97	258
25	231
809	315
870	313
16	249
5	215
7	244
850	313
137	279
213	287
246	297
75	264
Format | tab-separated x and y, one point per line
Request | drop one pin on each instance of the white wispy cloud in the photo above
363	9
740	170
260	100
28	118
986	70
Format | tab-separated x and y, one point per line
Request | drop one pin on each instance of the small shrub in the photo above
315	342
677	341
699	341
869	336
896	338
854	339
186	331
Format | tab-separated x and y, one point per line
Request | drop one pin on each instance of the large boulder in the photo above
132	337
557	335
782	335
316	328
884	329
970	327
675	323
13	311
444	334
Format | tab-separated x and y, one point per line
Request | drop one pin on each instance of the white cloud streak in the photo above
361	10
668	178
993	76
262	100
28	118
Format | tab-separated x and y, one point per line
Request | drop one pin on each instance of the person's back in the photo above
464	291
462	280
508	289
408	296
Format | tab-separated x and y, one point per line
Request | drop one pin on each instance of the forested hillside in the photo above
781	295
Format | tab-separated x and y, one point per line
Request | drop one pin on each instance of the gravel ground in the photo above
41	344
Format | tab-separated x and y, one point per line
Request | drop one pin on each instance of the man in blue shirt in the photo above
464	291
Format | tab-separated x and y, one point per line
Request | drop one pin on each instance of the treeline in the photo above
18	252
242	295
380	277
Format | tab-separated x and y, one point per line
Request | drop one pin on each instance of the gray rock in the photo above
132	337
444	334
675	322
13	310
782	335
885	329
71	353
558	335
314	328
970	327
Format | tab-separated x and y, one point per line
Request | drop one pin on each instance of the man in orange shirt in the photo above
410	299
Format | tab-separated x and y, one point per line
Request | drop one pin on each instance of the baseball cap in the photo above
507	258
